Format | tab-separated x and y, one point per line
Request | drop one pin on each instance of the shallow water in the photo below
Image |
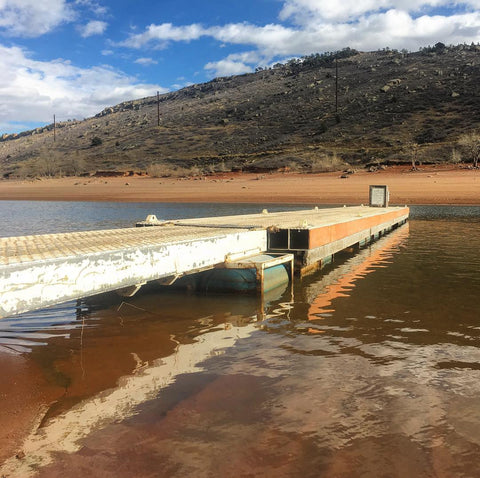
370	367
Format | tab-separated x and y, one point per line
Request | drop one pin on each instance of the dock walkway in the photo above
39	271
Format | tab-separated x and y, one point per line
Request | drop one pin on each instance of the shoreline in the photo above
439	185
28	392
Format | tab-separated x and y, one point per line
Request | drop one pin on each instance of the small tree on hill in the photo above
411	149
96	141
470	142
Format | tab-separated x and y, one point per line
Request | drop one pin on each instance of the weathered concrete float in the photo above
39	271
260	272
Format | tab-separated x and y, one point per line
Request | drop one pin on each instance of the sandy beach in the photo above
429	185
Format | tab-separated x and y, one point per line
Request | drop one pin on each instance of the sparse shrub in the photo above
213	168
470	142
412	150
455	157
209	169
76	166
221	167
96	141
322	127
193	171
327	163
47	165
23	171
440	47
430	135
156	170
163	170
292	166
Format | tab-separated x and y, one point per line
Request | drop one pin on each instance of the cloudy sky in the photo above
74	57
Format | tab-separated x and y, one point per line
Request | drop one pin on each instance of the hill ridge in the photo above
280	117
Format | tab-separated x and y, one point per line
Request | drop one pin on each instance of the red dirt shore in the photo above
24	395
430	185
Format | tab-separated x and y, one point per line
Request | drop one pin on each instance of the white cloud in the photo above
146	61
266	38
31	18
235	64
94	27
306	12
31	91
237	33
228	67
164	33
95	7
326	26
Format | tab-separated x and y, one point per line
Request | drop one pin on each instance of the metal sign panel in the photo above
379	196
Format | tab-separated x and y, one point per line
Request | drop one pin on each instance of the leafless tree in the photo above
412	149
470	143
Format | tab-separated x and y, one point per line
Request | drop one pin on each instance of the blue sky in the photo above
72	58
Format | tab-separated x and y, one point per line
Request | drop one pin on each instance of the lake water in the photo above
368	368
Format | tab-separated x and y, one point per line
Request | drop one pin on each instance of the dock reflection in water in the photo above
170	385
341	280
106	356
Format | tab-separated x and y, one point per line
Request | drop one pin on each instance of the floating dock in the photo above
40	271
314	235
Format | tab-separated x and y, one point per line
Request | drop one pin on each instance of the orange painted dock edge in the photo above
327	234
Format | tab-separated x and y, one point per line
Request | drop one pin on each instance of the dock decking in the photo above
39	271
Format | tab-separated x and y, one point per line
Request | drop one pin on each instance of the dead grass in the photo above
455	157
163	170
326	163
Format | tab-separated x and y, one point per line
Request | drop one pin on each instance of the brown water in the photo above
369	368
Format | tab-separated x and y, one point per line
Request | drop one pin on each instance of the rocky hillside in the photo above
296	115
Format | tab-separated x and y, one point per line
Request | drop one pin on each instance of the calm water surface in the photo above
369	368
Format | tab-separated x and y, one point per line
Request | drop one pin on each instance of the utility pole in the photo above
336	85
158	108
54	129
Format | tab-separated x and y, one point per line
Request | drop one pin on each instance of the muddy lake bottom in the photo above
368	368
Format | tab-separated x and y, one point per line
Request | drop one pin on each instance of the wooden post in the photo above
336	85
54	129
158	108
